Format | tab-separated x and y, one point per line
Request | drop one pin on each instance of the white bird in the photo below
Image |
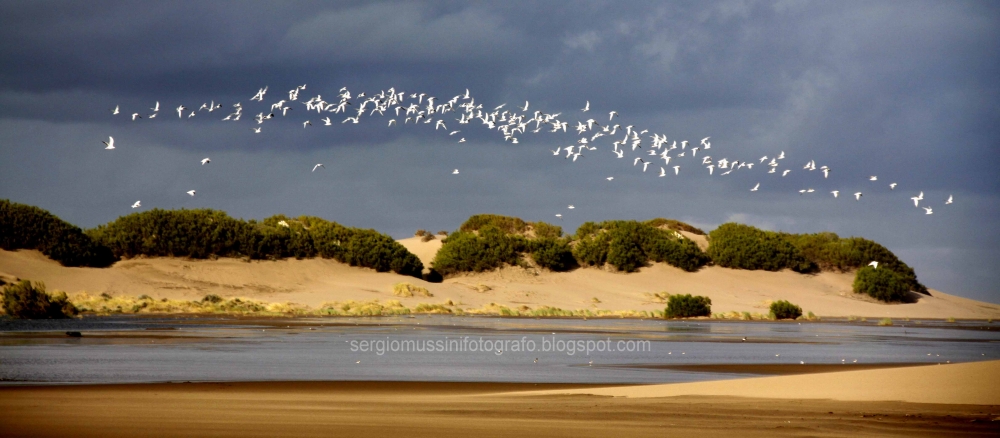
454	172
645	164
191	192
327	121
110	144
611	115
586	107
636	161
892	186
929	210
857	196
135	116
677	170
873	264
558	215
317	166
951	199
754	189
180	111
917	199
873	178
705	143
610	178
462	140
571	207
835	193
392	122
306	123
826	172
256	130
205	161
785	173
453	132
115	111
156	107
525	106
137	204
663	172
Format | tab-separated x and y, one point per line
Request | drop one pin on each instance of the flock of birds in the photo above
642	147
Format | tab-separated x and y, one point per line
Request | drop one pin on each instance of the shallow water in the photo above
146	349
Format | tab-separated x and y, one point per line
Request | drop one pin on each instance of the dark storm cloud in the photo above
906	91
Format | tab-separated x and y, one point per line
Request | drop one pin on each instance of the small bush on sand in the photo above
885	321
686	306
420	233
782	309
212	298
427	237
26	300
409	290
881	284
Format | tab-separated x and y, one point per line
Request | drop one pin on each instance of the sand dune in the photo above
976	383
315	281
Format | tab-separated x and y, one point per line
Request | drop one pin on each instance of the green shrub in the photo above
745	247
26	227
552	253
467	252
26	300
629	245
506	224
207	233
830	252
544	230
675	225
782	309
687	306
881	284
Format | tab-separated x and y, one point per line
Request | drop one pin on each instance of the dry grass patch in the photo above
407	290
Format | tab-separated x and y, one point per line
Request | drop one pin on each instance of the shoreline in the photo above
426	409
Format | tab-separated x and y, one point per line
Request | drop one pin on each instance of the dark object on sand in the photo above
74	334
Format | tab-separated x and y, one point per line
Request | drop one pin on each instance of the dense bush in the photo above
782	309
506	224
687	306
204	233
829	252
552	253
467	252
629	245
745	247
26	227
881	284
26	300
676	225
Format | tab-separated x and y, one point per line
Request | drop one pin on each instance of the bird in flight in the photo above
191	192
873	178
873	264
929	210
571	207
892	186
857	196
586	107
135	116
754	189
835	193
110	144
454	172
317	166
951	199
205	161
610	178
137	204
115	111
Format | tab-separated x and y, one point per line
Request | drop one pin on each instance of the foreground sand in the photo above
416	409
976	383
315	281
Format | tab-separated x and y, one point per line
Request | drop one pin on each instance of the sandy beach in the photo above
313	282
513	410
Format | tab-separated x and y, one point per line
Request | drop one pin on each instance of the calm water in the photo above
129	349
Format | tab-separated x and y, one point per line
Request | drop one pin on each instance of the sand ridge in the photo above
974	383
315	281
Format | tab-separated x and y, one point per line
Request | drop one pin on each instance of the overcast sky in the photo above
906	91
